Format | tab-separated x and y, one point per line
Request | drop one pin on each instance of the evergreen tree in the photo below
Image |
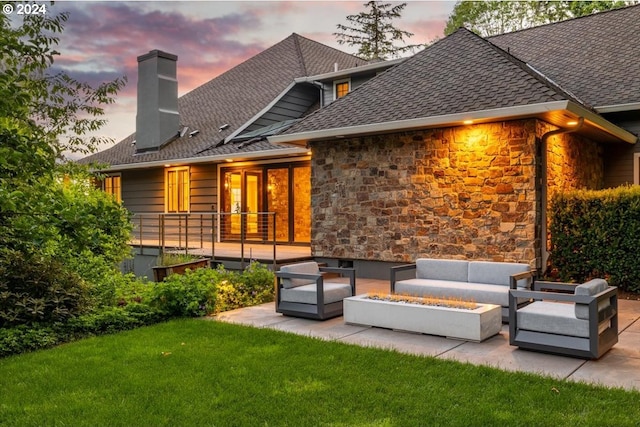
373	33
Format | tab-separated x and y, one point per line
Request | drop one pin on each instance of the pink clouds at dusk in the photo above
102	40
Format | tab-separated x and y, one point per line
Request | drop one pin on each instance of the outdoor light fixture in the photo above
572	123
468	122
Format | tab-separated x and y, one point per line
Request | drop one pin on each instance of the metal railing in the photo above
199	233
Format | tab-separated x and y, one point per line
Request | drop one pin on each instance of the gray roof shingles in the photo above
460	73
596	56
235	97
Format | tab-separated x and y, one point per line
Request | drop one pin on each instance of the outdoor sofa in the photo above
582	321
302	290
483	282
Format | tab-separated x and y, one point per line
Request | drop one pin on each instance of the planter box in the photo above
162	271
473	325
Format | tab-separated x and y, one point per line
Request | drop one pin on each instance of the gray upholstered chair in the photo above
303	291
579	321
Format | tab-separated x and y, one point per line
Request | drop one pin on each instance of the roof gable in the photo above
597	56
460	73
234	98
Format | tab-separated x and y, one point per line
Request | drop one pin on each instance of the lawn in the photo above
204	373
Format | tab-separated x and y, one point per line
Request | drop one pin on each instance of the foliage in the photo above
490	18
61	238
172	259
254	286
373	33
193	373
204	290
597	234
24	338
38	289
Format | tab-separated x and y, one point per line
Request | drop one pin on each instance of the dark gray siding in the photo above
293	105
619	158
204	188
143	190
327	87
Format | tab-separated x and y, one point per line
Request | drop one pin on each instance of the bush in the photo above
38	289
254	286
189	295
596	234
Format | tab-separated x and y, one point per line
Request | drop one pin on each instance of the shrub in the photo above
190	295
255	285
38	289
596	234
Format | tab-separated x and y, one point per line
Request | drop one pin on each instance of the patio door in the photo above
242	202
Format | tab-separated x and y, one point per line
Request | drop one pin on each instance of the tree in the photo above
373	33
489	18
50	217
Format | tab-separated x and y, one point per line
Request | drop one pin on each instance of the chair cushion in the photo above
442	269
303	268
553	318
306	294
496	273
478	292
592	287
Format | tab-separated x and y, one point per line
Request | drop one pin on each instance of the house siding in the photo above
465	192
293	105
204	188
143	190
619	158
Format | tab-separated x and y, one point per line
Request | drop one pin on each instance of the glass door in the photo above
242	204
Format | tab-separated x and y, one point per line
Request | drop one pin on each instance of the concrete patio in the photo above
620	367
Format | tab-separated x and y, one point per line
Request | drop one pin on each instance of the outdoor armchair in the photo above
579	321
302	290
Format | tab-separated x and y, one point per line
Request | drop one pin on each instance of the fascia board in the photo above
457	119
615	108
302	138
350	71
292	151
601	123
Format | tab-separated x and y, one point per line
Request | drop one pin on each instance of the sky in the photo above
102	39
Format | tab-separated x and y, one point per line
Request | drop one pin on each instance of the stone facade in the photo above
464	192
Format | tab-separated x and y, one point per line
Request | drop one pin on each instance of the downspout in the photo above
544	255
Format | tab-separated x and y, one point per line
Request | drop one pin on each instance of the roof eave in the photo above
616	108
556	112
350	71
220	158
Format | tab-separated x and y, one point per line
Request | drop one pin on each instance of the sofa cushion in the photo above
592	287
496	273
303	268
307	294
442	269
552	317
479	292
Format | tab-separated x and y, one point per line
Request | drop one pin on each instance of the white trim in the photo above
615	108
339	82
260	113
636	168
457	119
350	71
263	154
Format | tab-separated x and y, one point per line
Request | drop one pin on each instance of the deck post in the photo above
274	242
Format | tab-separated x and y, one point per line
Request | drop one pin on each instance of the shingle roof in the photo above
596	56
460	73
233	98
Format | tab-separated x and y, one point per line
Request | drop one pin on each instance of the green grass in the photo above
195	372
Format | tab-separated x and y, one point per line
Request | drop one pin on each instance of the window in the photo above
111	185
177	190
341	88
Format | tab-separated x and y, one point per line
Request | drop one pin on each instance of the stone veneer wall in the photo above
465	192
573	162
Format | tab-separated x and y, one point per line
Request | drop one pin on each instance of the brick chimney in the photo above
157	119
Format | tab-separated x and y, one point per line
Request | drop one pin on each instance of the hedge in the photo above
597	234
